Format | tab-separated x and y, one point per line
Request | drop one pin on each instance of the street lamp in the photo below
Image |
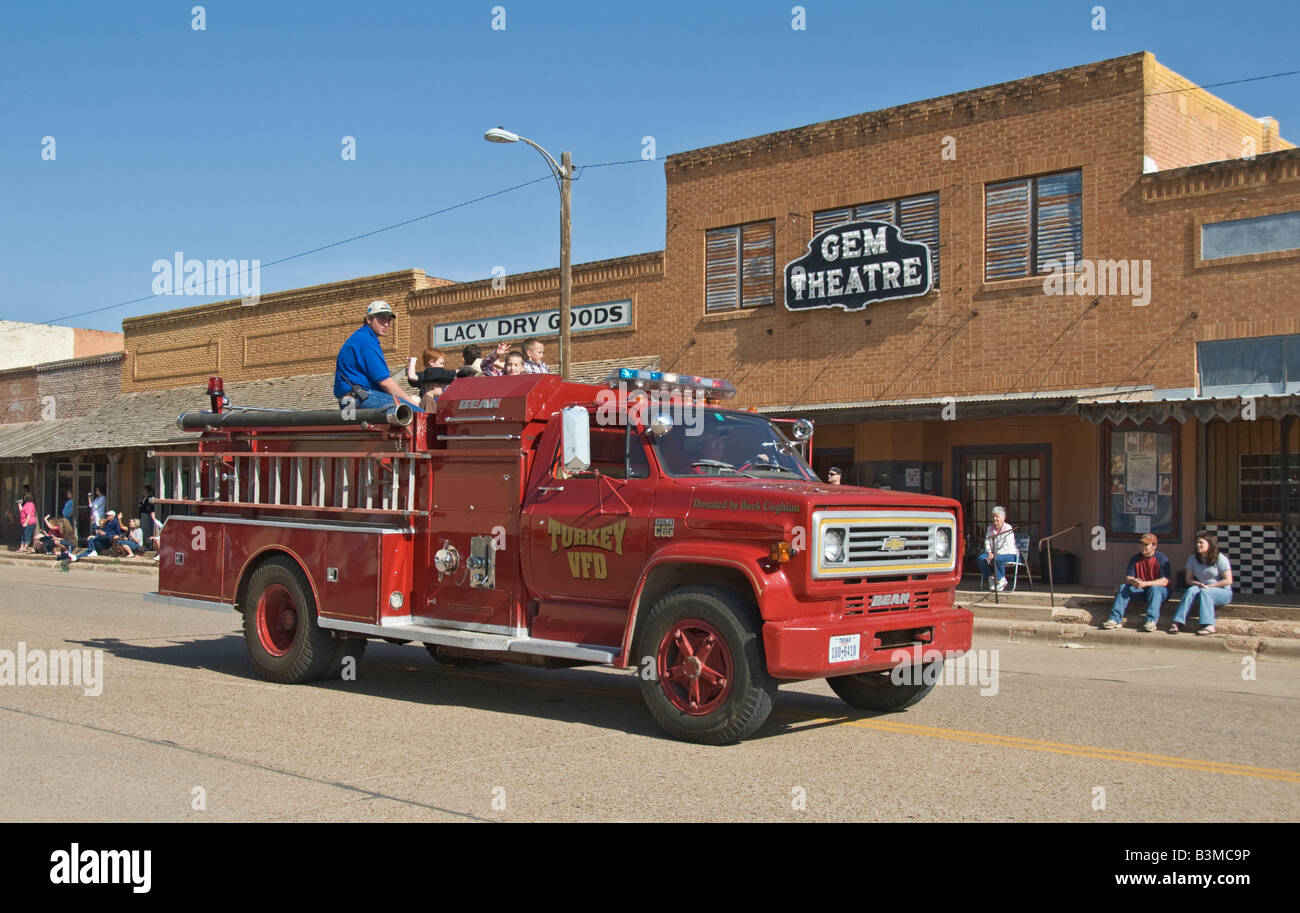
562	171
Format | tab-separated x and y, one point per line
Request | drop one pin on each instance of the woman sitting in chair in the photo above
999	550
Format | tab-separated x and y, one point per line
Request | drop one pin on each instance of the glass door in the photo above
1014	480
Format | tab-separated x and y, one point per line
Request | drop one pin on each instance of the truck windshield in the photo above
734	444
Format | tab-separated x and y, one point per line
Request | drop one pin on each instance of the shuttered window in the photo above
739	266
917	219
1030	223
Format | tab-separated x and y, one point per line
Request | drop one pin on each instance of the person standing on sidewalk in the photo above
1148	576
68	518
1209	584
27	517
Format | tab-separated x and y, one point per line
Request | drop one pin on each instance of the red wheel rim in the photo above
277	619
694	666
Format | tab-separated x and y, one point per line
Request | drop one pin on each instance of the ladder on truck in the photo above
380	483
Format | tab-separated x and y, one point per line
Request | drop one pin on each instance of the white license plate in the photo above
844	648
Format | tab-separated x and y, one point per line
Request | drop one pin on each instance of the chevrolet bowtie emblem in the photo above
893	544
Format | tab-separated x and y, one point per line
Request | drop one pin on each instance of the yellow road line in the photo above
1064	748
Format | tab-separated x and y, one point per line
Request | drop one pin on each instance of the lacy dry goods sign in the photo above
854	264
605	316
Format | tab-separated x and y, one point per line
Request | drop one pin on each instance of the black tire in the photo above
721	714
285	650
458	662
876	691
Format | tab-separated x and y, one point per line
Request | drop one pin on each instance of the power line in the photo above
1230	82
349	240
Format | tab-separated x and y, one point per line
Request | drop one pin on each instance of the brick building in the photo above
1034	373
42	403
27	344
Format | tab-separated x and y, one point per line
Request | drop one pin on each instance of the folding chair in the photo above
1022	560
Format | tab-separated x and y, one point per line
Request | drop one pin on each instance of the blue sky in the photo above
225	143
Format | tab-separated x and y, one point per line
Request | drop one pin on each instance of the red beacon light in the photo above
216	393
682	384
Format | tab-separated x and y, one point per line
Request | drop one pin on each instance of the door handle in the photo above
550	488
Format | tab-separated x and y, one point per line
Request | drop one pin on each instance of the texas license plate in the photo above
845	647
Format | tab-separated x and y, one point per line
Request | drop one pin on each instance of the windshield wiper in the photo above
721	465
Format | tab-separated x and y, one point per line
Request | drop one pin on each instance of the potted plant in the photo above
1064	565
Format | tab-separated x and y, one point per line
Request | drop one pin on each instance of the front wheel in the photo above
280	630
878	691
709	682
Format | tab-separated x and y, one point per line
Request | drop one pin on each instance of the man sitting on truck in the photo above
361	375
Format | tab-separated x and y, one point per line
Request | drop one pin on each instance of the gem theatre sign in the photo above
855	264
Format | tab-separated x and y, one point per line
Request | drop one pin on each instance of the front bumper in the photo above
801	648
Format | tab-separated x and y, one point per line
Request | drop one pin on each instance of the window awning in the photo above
1117	409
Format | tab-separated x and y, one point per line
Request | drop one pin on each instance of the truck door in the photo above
586	535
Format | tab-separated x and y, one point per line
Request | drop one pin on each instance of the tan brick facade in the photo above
286	333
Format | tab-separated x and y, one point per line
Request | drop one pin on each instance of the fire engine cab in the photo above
636	524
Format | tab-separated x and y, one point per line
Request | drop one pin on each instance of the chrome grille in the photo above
867	544
880	544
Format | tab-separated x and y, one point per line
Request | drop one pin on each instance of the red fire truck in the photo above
636	525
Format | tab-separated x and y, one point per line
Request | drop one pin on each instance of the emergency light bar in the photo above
712	387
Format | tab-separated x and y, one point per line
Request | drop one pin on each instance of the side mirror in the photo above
802	429
575	439
660	425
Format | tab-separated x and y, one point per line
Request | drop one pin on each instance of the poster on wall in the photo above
1139	484
1141	471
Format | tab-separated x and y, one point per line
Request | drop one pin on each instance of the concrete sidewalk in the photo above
1256	624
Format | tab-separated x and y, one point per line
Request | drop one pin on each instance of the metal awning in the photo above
1117	409
931	408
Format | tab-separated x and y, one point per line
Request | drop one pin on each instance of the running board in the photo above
164	599
478	640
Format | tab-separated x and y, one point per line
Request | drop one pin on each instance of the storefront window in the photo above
1140	479
902	475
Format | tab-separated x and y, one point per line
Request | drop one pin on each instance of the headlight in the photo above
942	542
833	546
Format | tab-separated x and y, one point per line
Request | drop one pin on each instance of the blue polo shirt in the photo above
360	362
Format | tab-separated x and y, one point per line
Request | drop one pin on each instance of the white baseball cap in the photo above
378	307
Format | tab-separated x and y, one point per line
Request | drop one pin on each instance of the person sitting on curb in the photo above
101	539
1209	583
1148	576
999	550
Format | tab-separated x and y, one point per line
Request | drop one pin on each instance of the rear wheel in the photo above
877	690
710	681
280	630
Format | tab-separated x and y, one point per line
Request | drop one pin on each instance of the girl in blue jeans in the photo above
1209	584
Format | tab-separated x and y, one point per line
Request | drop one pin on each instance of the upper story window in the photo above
1263	364
1256	235
1031	222
917	219
739	266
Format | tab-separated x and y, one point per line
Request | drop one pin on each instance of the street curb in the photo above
1057	633
94	564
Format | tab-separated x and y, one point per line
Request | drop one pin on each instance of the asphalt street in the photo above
183	731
